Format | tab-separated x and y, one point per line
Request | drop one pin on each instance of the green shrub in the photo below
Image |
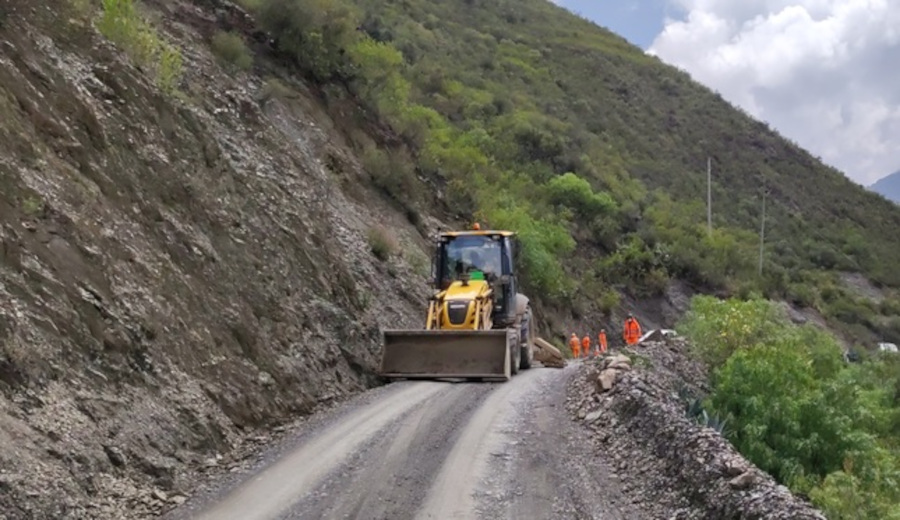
636	266
316	33
393	172
123	25
718	328
543	244
169	69
608	301
32	205
382	242
419	262
574	192
794	408
229	47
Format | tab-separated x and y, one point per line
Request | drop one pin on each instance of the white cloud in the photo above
825	73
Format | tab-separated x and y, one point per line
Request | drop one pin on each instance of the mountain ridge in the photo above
888	186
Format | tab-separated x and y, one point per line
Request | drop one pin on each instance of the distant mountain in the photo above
889	187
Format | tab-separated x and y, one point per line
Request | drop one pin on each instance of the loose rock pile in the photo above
673	463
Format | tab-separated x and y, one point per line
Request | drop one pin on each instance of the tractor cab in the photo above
477	325
479	255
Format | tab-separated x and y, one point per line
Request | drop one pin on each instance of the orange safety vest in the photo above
602	338
632	332
573	343
586	343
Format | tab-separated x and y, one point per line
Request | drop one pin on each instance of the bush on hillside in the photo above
121	22
542	243
316	33
382	242
718	328
230	48
635	266
797	411
573	192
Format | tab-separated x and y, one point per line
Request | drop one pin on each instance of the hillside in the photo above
186	258
499	101
888	186
207	213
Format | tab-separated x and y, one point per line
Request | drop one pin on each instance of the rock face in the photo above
176	272
640	428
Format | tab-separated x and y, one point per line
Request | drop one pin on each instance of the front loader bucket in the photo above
434	354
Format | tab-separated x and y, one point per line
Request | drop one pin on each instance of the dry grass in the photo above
382	242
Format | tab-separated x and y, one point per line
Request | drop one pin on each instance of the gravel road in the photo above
431	450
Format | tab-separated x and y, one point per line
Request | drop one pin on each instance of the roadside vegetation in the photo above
491	102
827	429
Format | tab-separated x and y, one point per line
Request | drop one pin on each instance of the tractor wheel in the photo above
527	356
515	353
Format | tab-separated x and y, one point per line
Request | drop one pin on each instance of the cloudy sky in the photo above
824	73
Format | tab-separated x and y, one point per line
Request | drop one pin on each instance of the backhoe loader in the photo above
477	325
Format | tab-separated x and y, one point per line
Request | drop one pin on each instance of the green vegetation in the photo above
32	205
492	101
229	47
793	407
123	25
382	242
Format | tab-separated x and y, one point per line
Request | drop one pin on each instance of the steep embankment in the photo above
176	270
635	407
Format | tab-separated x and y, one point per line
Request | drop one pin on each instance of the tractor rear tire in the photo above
515	353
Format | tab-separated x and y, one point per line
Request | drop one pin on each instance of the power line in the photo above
762	231
708	196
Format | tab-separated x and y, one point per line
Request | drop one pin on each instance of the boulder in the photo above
607	379
547	354
618	362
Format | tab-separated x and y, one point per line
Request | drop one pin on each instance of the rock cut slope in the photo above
176	271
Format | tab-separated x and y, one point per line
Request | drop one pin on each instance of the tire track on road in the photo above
463	475
386	479
275	489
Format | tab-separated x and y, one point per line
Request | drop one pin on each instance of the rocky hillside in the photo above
178	268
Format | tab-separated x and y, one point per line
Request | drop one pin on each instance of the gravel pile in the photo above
681	469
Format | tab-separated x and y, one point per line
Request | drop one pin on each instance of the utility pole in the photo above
762	231
708	196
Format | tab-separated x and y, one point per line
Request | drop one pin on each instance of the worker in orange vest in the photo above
575	346
632	330
586	345
601	342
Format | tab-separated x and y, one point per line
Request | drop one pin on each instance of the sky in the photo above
824	73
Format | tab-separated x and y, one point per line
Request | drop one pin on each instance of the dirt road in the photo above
430	450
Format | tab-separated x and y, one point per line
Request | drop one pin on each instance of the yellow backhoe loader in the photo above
477	326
